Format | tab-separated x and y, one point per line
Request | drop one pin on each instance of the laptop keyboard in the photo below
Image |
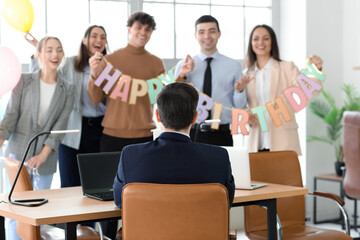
104	195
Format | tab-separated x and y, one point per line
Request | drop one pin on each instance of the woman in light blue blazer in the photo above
84	116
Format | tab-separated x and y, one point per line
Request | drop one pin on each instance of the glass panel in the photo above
258	3
61	23
185	18
113	17
255	16
14	39
228	2
193	1
161	43
231	25
158	0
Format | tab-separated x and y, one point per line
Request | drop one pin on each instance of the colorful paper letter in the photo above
309	82
216	115
313	71
259	111
235	123
169	78
280	110
154	87
138	89
289	95
110	78
205	103
124	82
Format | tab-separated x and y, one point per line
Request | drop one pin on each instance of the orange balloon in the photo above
19	14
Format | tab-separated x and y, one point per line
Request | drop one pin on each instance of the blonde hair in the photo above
41	44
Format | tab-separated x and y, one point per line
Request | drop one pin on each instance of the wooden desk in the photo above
266	197
67	205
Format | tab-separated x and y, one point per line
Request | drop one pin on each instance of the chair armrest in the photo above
340	203
332	196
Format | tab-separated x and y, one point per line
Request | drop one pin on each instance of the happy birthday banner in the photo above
240	117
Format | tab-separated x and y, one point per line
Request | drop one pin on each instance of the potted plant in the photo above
332	116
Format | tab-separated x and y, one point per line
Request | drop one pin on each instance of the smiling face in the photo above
139	34
207	35
261	42
96	41
51	54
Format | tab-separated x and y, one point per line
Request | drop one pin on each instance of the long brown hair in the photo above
274	53
83	55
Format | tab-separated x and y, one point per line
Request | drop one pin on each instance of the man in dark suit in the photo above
172	158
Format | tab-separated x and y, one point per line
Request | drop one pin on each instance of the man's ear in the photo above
128	29
195	117
157	115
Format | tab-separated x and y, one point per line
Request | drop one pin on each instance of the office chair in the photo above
283	168
29	232
351	148
177	212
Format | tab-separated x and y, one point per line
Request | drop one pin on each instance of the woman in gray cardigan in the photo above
84	116
41	101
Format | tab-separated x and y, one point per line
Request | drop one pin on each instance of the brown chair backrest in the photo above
25	231
281	168
172	211
351	148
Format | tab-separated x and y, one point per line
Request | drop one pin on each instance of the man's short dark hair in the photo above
177	103
143	18
206	19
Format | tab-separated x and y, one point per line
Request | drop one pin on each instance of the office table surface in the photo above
268	192
69	205
65	205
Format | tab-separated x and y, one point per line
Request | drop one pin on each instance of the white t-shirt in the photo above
46	94
262	84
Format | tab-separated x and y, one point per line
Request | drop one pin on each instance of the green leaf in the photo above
319	108
319	139
332	117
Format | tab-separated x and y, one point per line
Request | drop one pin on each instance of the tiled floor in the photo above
241	234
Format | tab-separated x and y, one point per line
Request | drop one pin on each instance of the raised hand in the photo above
242	83
317	61
31	39
187	66
94	63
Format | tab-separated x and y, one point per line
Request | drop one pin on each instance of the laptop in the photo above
240	165
97	172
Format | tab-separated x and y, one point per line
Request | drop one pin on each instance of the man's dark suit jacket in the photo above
173	159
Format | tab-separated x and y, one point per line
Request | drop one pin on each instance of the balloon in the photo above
10	70
19	14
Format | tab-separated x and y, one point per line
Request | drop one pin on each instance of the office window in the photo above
65	21
112	15
177	21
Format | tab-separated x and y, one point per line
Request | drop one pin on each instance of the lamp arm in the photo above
21	202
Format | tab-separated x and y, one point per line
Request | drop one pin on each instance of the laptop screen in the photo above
239	159
97	170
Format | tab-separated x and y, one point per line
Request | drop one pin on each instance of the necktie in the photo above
207	78
207	81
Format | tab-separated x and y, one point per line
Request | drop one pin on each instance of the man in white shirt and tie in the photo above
215	75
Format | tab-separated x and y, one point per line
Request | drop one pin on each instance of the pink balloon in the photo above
10	70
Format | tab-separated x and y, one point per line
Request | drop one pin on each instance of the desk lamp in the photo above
39	201
198	128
